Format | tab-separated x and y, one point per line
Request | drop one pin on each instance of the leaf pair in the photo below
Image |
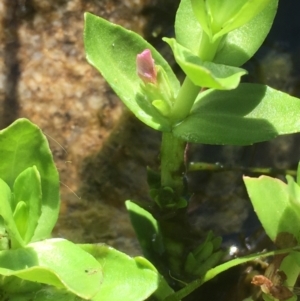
219	17
21	209
237	46
248	114
27	169
205	74
29	205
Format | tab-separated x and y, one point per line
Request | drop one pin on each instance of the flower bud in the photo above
146	69
155	85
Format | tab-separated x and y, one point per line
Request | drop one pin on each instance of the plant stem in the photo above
172	162
172	149
196	166
208	49
188	91
184	101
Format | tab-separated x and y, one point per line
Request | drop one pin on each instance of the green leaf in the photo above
20	217
18	297
28	191
33	291
210	262
54	262
298	174
112	50
53	294
147	231
125	278
238	46
23	145
7	215
4	239
251	113
294	191
272	204
290	265
205	74
278	208
189	288
14	285
218	17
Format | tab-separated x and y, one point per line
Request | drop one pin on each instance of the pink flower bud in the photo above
145	67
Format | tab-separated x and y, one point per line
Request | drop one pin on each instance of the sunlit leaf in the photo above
54	262
238	46
126	278
218	17
23	145
271	201
205	74
7	216
112	50
27	189
248	114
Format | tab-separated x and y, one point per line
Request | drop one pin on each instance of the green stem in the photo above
172	149
184	101
197	166
188	91
208	49
172	162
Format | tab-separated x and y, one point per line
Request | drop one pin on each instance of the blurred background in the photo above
101	151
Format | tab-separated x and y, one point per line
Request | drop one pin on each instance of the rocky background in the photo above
100	150
45	77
